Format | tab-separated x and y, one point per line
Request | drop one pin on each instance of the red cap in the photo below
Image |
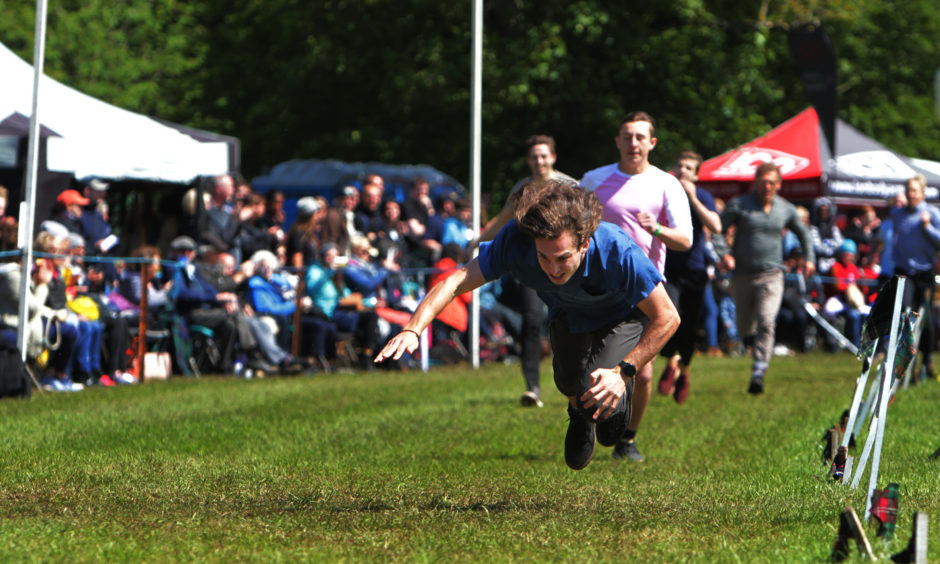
70	197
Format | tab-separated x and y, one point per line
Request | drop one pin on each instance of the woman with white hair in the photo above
272	295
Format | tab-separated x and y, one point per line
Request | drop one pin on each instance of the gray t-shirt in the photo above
758	238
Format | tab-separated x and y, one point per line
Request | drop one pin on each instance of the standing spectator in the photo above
219	224
369	213
417	211
274	210
651	206
886	238
863	229
252	235
302	243
827	238
757	261
340	223
916	241
70	204
540	157
686	279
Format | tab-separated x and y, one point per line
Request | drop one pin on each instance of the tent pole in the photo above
27	208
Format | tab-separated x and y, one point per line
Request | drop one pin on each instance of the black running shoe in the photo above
579	441
628	450
756	386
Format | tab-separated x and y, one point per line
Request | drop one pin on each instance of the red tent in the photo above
795	146
863	171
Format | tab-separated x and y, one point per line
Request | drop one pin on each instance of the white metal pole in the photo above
885	394
28	207
475	141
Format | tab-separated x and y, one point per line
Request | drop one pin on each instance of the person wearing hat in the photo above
70	204
94	225
303	235
847	300
200	303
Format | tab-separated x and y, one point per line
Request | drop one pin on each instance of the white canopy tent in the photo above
95	138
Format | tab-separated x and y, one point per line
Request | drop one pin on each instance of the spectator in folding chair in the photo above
58	321
268	357
345	311
200	303
37	290
916	242
270	294
847	300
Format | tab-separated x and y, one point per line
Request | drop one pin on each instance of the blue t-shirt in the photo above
693	260
614	276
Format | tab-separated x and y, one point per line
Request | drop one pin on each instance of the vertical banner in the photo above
815	60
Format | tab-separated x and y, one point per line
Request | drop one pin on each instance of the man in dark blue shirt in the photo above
686	278
608	308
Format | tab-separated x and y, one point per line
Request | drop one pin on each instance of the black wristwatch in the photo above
627	369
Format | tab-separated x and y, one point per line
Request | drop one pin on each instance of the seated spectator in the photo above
200	303
364	275
457	228
345	311
271	295
795	327
76	335
267	356
847	300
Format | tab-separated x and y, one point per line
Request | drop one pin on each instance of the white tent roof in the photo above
98	139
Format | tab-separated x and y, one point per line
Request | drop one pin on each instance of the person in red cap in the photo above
70	214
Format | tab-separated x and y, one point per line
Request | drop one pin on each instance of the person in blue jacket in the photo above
608	309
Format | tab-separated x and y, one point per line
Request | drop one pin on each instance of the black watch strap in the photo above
627	369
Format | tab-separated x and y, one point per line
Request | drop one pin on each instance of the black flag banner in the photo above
878	323
815	59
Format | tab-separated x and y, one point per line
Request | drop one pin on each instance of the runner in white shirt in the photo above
651	206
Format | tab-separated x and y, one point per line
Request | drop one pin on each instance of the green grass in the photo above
443	467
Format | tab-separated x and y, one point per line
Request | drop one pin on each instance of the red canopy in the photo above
795	146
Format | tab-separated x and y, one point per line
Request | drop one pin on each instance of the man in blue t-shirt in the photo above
608	309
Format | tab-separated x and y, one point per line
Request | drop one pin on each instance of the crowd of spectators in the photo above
286	298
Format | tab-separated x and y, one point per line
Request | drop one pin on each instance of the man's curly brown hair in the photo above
544	209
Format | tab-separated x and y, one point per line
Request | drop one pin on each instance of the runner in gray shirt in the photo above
756	257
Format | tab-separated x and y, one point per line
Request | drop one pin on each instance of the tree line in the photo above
389	80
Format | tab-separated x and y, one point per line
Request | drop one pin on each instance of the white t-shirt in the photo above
654	191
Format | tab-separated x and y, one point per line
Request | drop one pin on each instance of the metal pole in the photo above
475	136
27	208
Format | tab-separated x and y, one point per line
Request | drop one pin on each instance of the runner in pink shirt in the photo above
651	206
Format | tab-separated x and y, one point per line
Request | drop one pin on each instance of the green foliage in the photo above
443	466
390	80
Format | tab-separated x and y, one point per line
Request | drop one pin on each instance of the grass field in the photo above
443	467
